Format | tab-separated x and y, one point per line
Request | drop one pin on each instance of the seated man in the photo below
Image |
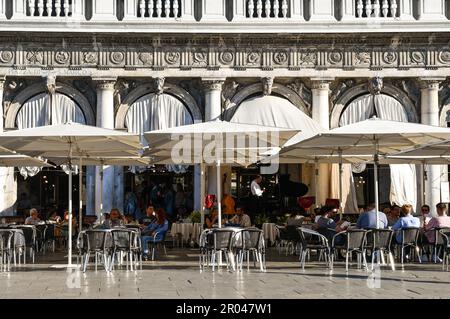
368	219
115	219
406	221
149	216
327	226
440	221
394	215
33	219
241	219
154	232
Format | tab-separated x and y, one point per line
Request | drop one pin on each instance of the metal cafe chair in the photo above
121	241
206	247
445	234
354	242
29	232
249	241
312	240
438	241
409	239
6	237
97	242
379	241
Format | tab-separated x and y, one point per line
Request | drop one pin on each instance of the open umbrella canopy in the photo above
389	137
81	140
229	139
117	161
433	150
22	160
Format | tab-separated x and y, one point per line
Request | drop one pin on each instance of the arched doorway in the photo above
152	112
397	182
46	189
272	110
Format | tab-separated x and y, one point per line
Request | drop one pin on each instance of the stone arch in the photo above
148	88
278	88
444	117
38	88
361	89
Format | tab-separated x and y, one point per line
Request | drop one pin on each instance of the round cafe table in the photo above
187	231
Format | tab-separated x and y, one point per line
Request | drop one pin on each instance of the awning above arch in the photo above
276	111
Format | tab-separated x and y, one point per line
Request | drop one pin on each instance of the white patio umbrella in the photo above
101	161
234	142
374	136
22	160
71	140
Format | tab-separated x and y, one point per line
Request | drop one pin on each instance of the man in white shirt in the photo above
257	196
255	187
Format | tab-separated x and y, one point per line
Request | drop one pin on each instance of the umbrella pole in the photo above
375	180
69	240
202	194
219	195
101	190
424	178
316	180
80	182
340	184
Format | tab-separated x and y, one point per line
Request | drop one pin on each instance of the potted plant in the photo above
195	217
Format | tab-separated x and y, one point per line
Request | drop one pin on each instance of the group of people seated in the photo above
239	219
396	218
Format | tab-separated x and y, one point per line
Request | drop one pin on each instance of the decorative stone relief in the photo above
229	89
34	57
146	58
50	85
267	84
62	57
302	91
390	57
159	85
280	57
335	58
375	85
117	57
172	57
362	58
6	56
226	57
444	56
308	59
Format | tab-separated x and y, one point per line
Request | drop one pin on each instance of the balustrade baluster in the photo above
368	8
175	9
393	8
267	8
376	8
276	9
158	8
67	7
167	8
150	8
40	7
284	8
58	7
141	8
359	9
250	8
259	8
385	8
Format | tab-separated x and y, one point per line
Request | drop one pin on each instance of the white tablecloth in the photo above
270	232
187	230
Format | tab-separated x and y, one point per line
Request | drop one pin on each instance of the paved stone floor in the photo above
177	276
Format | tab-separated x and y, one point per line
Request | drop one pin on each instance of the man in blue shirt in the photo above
368	219
406	221
155	232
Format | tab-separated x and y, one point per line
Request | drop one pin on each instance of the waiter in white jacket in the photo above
257	194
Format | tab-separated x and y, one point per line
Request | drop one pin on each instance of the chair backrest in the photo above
439	240
410	235
249	238
29	232
49	232
445	235
40	232
96	240
292	233
5	239
309	236
222	238
206	239
121	238
380	238
355	238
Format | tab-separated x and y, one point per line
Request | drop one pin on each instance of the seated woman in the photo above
212	219
154	232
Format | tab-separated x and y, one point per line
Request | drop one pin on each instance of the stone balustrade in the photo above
220	13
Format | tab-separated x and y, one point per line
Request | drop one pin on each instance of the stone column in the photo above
429	113
321	114
6	173
105	119
213	110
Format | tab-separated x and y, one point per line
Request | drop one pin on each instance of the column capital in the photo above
211	84
2	82
105	83
321	83
430	83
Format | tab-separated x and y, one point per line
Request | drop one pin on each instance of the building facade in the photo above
139	65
